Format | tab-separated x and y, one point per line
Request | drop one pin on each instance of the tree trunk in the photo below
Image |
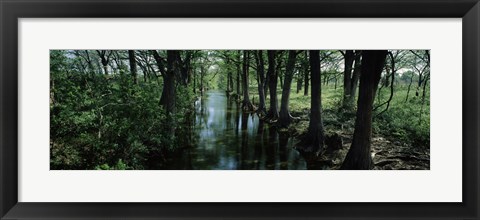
299	78
104	58
299	85
238	74
392	59
358	156
89	61
279	69
168	93
409	85
184	67
356	75
261	80
228	82
306	73
314	140
335	83
272	114
194	83
246	104
265	86
227	63
423	98
161	68
285	118
347	77
105	68
230	79
133	65
202	73
280	76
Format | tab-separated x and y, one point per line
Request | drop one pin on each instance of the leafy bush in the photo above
108	122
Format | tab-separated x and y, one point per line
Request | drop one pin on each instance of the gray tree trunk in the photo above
285	118
358	156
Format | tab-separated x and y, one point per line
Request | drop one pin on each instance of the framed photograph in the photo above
204	109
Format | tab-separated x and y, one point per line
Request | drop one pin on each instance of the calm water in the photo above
225	138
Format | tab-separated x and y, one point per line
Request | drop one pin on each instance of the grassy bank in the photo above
405	120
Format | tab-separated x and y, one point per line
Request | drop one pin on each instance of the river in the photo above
225	138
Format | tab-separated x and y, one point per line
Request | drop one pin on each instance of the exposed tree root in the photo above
315	155
271	117
286	120
307	146
262	113
247	106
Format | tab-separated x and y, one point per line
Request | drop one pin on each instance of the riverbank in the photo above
390	150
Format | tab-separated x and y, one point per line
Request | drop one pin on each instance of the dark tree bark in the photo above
133	65
246	104
161	67
183	67
142	58
314	139
104	58
358	156
392	60
285	118
409	86
261	80
272	114
280	76
347	78
301	72
266	86
170	97
167	99
169	82
299	83
278	69
423	98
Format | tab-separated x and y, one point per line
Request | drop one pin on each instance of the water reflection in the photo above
225	138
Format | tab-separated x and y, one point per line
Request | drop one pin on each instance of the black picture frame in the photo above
12	10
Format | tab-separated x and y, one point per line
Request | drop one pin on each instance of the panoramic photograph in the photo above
239	109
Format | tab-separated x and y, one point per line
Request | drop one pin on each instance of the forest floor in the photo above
389	151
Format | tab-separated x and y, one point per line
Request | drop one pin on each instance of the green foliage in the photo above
402	121
118	166
107	122
406	121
